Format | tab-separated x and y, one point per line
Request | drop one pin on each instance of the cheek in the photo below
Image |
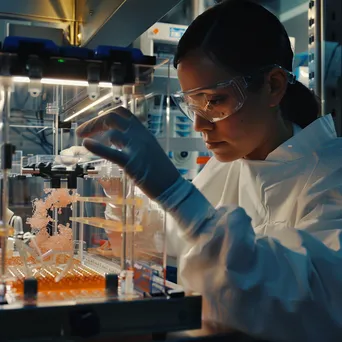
248	122
235	127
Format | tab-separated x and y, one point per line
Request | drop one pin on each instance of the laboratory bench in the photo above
208	333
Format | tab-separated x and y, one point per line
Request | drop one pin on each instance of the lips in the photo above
211	145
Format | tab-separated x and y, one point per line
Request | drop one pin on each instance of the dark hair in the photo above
243	37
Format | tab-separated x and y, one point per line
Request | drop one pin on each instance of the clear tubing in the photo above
4	122
81	225
124	207
168	115
55	128
130	237
167	148
124	224
55	218
73	223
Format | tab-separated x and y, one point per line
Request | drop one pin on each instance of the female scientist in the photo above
262	222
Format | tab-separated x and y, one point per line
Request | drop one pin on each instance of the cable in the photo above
41	114
41	135
42	141
30	139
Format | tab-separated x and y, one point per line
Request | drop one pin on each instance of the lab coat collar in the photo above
308	140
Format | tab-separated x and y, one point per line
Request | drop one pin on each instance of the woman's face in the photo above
251	131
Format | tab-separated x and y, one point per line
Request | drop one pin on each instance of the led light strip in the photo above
93	104
53	81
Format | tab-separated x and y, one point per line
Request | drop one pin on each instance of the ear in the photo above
277	81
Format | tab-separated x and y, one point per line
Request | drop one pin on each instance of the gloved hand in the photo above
140	154
75	151
73	155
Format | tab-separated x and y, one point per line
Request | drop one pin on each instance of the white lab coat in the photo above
268	260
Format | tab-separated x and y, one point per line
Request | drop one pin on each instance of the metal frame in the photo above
100	22
333	60
110	22
37	10
316	39
325	38
53	14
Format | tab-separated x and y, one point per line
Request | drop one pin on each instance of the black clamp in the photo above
56	175
34	67
8	151
64	125
121	67
169	293
94	73
30	291
112	283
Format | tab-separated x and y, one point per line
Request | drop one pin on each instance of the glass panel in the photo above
82	217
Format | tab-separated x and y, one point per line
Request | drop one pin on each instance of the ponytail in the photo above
300	105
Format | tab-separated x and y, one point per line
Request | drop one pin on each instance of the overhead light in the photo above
20	79
64	82
104	111
55	81
91	105
105	85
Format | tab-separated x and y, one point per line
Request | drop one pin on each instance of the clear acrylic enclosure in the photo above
129	238
84	218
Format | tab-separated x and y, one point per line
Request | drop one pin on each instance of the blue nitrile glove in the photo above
140	154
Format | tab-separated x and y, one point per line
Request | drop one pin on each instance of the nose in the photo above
201	124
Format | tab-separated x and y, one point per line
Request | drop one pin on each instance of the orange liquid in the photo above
78	278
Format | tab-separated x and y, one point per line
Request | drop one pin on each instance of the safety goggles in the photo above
221	100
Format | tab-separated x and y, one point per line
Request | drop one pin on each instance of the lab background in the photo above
43	118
